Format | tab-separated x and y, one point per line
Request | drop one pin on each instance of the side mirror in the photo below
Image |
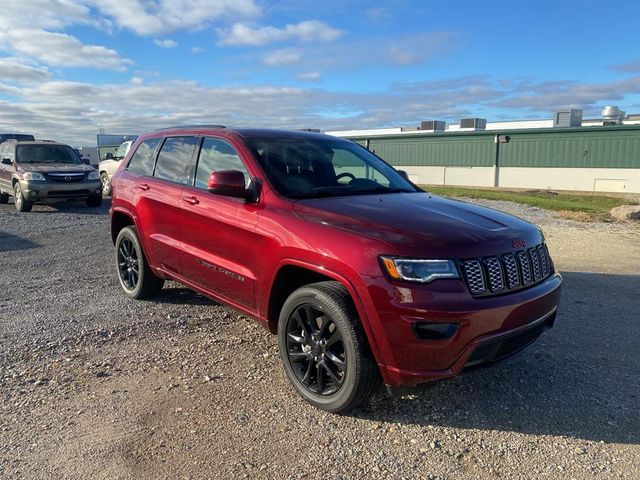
109	156
87	161
7	161
403	174
230	183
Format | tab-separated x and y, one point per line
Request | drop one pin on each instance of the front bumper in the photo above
50	191
488	329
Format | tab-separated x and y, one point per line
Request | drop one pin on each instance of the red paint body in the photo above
232	251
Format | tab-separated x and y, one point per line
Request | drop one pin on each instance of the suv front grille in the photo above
66	177
510	271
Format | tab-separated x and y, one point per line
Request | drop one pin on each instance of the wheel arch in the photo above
292	275
120	220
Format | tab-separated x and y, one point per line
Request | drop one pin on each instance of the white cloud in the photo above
309	76
17	70
167	43
153	17
137	80
307	31
197	50
286	56
60	49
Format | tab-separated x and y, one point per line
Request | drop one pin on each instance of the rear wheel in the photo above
136	278
22	204
106	184
324	349
94	201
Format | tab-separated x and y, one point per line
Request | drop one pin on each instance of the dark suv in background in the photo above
48	172
361	274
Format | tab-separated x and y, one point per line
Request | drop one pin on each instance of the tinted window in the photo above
142	160
217	155
174	159
314	167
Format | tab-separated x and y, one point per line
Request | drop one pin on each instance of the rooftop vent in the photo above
433	126
612	115
568	118
473	124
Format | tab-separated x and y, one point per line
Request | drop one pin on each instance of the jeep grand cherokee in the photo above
362	275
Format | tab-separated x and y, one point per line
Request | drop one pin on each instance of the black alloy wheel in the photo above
324	349
136	277
315	349
128	265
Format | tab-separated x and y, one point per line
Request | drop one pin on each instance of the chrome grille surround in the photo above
497	274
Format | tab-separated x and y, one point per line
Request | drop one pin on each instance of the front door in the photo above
218	232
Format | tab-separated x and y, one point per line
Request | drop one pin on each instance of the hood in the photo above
423	225
54	167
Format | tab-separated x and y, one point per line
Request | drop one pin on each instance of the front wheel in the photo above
106	184
4	197
324	349
22	204
136	278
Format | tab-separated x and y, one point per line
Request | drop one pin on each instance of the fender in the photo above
357	300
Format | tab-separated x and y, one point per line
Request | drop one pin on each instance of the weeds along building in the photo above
566	153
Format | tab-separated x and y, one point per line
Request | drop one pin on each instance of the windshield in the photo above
121	151
309	168
47	154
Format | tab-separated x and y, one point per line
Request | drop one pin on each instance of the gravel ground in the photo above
94	385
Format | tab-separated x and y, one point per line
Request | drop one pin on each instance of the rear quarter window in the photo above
142	160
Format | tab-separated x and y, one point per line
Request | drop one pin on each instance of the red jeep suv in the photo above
362	275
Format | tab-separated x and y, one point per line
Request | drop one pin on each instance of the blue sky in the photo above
71	67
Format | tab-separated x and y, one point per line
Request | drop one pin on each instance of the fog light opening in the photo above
435	331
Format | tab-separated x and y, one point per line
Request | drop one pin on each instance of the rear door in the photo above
218	232
154	180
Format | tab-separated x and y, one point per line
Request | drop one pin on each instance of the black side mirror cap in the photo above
7	161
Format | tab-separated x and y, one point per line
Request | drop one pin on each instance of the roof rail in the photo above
178	127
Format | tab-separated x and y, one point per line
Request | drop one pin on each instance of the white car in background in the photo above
111	163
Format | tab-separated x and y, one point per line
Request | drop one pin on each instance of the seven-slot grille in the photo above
510	271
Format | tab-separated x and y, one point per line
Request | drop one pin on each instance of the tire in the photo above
106	184
136	278
324	349
94	201
4	197
22	204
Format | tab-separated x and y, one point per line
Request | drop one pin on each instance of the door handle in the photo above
144	186
191	200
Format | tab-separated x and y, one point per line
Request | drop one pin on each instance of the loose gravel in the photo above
95	385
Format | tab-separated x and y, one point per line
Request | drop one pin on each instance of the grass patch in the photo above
578	207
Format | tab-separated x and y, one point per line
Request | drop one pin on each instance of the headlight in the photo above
418	269
93	175
34	177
